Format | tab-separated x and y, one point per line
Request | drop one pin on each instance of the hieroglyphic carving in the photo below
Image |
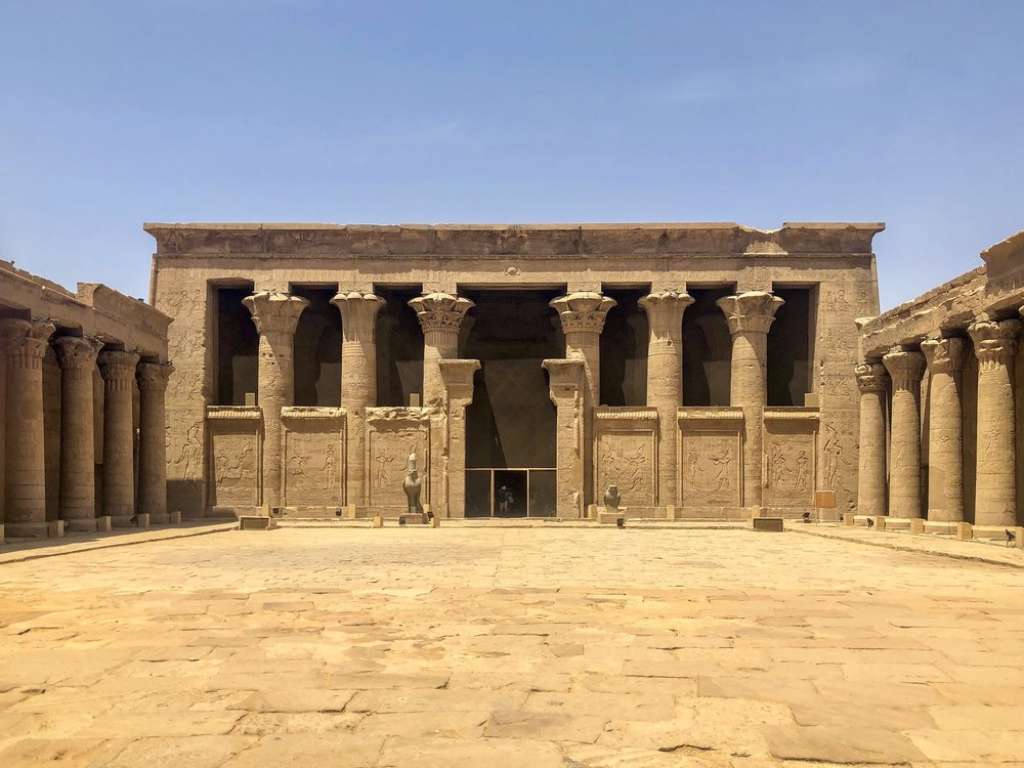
392	434
313	457
234	456
789	455
711	469
627	460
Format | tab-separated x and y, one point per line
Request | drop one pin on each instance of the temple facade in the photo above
702	369
82	383
942	405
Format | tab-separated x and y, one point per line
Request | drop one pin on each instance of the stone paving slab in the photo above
574	648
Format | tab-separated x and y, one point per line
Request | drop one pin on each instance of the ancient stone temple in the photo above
941	403
82	382
703	369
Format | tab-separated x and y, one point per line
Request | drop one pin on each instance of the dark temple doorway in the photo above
510	425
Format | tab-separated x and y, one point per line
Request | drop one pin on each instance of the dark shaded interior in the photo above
318	349
237	346
511	421
789	346
399	347
707	348
624	349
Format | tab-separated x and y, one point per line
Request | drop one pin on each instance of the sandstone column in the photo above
664	379
440	316
945	430
871	377
905	368
26	344
118	369
275	314
457	376
152	378
567	384
582	315
358	381
77	358
995	343
750	315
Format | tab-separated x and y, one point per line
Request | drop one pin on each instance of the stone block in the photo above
413	519
917	525
898	523
964	531
610	518
256	523
849	519
879	522
378	521
104	524
175	517
435	522
998	533
55	529
937	528
825	499
1	533
143	520
775	524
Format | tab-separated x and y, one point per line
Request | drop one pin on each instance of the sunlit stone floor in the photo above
509	647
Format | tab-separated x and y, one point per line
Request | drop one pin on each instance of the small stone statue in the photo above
612	499
412	484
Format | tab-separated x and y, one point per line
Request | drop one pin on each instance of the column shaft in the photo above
457	376
906	369
995	344
871	486
152	378
567	382
118	369
750	315
945	431
664	381
358	382
275	314
77	358
26	475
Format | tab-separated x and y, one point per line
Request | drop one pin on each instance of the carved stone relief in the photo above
790	461
313	457
392	434
711	459
234	461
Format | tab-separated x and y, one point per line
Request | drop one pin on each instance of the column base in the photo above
80	525
174	518
104	524
27	530
900	523
940	527
55	529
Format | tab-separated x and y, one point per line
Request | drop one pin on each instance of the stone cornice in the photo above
484	240
723	413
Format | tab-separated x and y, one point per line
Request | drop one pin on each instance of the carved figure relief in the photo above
710	470
234	469
312	459
789	476
627	461
389	447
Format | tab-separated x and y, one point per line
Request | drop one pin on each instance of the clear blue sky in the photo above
115	113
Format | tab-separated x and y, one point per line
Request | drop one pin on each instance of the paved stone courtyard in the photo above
509	647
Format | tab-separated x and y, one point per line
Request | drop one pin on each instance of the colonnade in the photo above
582	314
938	363
23	345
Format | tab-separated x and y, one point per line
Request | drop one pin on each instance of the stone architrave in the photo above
995	344
358	381
457	377
275	314
440	315
945	430
750	315
905	367
118	369
77	357
152	378
25	501
567	383
871	485
664	379
582	315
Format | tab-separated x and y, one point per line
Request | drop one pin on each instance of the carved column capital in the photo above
665	312
583	311
440	311
358	314
995	341
945	355
118	366
152	377
870	377
77	353
26	340
905	367
750	311
457	376
566	378
275	312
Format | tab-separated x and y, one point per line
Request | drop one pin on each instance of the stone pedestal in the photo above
152	378
995	343
871	491
25	344
457	378
275	315
905	368
567	380
945	430
750	315
664	380
440	315
118	369
77	358
582	315
358	381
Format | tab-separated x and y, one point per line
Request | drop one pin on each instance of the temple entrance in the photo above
510	425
